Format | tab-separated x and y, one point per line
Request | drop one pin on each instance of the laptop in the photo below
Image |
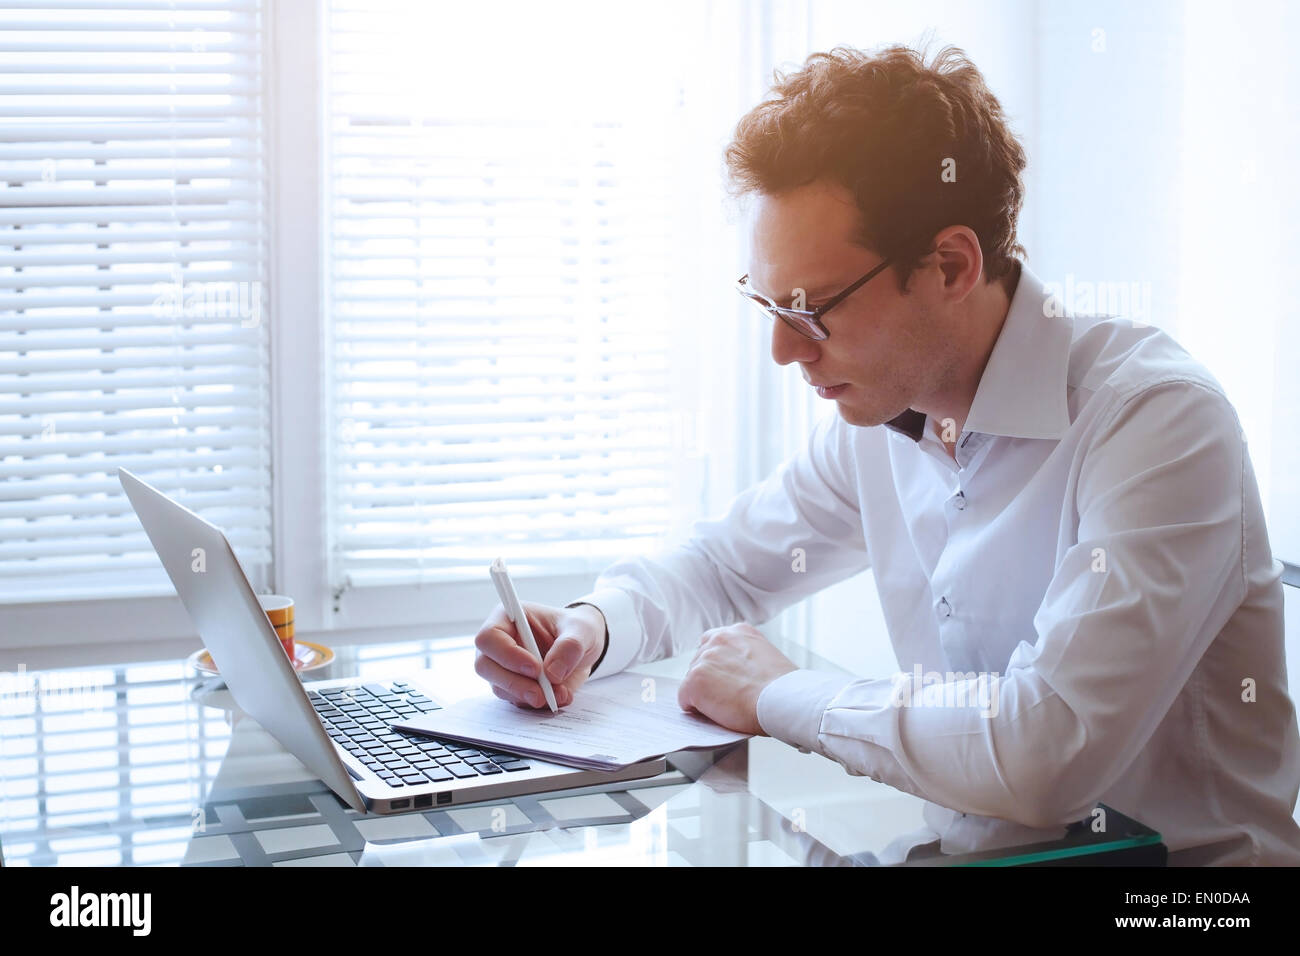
340	729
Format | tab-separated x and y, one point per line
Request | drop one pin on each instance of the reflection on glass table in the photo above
713	821
153	764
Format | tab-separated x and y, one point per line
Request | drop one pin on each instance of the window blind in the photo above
500	269
132	307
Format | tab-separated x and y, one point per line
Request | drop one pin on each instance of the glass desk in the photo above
152	764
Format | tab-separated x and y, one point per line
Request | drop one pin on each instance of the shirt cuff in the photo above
624	627
792	706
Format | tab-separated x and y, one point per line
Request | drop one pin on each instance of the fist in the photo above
731	667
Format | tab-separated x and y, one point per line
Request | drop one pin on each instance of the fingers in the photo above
498	640
514	672
506	697
570	658
684	698
541	620
508	685
699	648
564	657
685	690
567	667
510	681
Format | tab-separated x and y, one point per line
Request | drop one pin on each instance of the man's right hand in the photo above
571	640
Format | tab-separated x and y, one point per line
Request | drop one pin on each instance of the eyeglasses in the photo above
806	323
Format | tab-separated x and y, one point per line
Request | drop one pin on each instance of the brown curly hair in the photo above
885	125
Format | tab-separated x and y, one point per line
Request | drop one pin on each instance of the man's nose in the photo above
790	346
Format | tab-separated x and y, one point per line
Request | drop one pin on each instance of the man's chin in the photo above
856	416
863	417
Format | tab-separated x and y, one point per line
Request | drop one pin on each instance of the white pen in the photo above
515	611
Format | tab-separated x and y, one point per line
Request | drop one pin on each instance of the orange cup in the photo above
279	609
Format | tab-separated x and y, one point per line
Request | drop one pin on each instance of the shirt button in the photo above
944	608
959	501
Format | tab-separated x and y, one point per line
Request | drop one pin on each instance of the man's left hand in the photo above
731	667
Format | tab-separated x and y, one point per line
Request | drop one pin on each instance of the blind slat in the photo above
132	323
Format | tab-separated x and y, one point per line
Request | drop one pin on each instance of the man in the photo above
1060	513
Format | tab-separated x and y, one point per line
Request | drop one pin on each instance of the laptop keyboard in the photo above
357	719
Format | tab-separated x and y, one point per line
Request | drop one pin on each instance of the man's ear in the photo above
960	260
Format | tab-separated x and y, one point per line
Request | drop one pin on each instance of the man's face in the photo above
884	346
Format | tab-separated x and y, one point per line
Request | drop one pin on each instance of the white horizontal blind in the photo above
500	286
132	321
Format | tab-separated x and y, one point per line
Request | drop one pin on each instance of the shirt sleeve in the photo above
789	536
1156	571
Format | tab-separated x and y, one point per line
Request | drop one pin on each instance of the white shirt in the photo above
1093	573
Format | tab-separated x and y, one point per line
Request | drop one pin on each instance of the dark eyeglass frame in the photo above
806	323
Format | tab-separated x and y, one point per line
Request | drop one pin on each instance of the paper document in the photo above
612	722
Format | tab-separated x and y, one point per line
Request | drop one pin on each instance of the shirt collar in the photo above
1022	393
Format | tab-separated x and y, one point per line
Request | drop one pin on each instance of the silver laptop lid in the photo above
237	632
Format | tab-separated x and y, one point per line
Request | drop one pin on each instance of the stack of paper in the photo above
612	723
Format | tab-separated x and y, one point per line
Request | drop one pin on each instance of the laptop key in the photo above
438	775
510	766
461	770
